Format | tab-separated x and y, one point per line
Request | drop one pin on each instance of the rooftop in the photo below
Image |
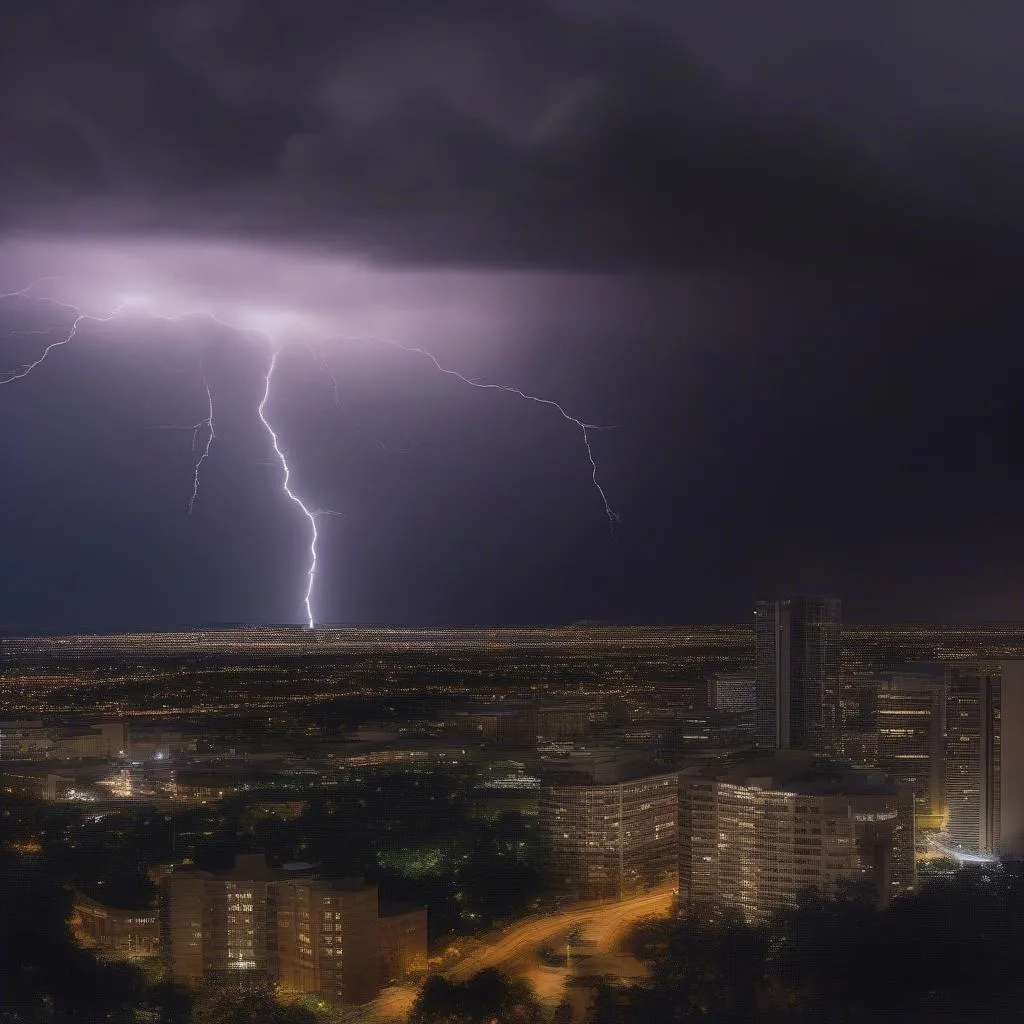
792	771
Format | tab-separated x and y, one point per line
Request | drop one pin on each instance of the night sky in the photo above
777	252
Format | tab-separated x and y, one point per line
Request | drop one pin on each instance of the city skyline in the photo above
511	512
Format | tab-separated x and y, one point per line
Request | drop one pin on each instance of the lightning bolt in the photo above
583	427
282	459
325	366
79	318
210	438
207	421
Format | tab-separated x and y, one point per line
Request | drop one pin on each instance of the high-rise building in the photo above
796	646
755	834
327	939
218	926
608	826
985	759
910	725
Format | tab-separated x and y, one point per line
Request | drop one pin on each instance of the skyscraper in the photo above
972	758
797	673
910	714
985	759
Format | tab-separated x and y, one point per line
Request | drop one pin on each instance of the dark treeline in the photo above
954	952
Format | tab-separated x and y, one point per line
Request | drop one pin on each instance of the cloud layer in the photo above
567	135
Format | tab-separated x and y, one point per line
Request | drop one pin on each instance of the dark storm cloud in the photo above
564	134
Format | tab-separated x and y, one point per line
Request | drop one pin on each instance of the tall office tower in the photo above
910	726
796	646
985	760
327	939
756	834
607	826
218	926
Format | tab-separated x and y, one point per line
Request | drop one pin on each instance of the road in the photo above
514	951
603	923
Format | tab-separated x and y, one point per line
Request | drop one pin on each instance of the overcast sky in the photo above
776	252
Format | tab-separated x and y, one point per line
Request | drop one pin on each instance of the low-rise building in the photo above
733	692
403	941
124	934
100	741
25	741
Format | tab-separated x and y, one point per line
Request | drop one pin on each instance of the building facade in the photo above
124	934
251	927
796	649
327	939
609	831
218	926
757	835
403	942
910	717
735	692
985	760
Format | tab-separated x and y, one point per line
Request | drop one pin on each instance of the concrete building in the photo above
756	833
973	769
796	649
525	726
148	742
985	760
607	826
251	926
735	692
218	926
123	934
25	741
896	722
910	716
402	931
328	939
101	741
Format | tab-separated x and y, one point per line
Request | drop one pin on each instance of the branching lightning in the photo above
584	428
206	424
286	484
24	371
203	432
325	366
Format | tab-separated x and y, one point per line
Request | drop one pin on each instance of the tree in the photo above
487	998
226	1007
563	1013
44	975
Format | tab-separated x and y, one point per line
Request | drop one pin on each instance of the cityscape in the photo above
364	825
511	512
